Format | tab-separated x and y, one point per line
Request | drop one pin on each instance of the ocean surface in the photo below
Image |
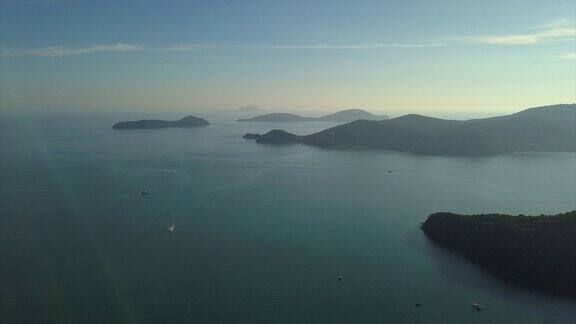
262	232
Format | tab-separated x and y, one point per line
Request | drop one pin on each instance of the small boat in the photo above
171	227
418	305
144	192
340	277
477	306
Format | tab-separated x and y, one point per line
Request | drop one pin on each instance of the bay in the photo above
262	232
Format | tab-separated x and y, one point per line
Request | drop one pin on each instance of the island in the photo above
188	121
342	116
548	128
536	250
275	118
277	136
348	115
250	110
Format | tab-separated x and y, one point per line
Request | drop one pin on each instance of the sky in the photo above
385	56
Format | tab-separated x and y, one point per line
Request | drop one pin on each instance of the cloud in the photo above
349	62
567	56
560	30
60	52
338	47
182	48
556	23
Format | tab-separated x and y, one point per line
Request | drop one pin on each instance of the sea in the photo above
262	233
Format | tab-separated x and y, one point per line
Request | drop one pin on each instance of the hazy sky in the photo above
381	56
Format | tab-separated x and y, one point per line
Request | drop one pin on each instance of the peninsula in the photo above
549	128
535	250
189	121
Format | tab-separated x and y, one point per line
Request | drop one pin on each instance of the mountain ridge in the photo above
346	115
546	128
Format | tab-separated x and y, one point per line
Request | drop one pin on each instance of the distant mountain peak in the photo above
250	109
351	114
189	117
353	110
544	109
415	117
343	116
275	117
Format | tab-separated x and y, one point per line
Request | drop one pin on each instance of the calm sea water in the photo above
262	232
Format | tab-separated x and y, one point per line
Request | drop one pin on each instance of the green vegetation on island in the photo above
535	250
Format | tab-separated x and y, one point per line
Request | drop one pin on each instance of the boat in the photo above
171	227
477	306
144	192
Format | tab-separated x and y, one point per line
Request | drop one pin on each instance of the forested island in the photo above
188	121
535	250
549	128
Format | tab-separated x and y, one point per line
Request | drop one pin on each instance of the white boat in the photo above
477	306
171	227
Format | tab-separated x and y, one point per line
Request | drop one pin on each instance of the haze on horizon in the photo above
388	57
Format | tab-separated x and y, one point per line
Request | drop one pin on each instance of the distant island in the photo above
348	115
549	128
250	110
188	121
277	136
535	250
343	116
276	118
